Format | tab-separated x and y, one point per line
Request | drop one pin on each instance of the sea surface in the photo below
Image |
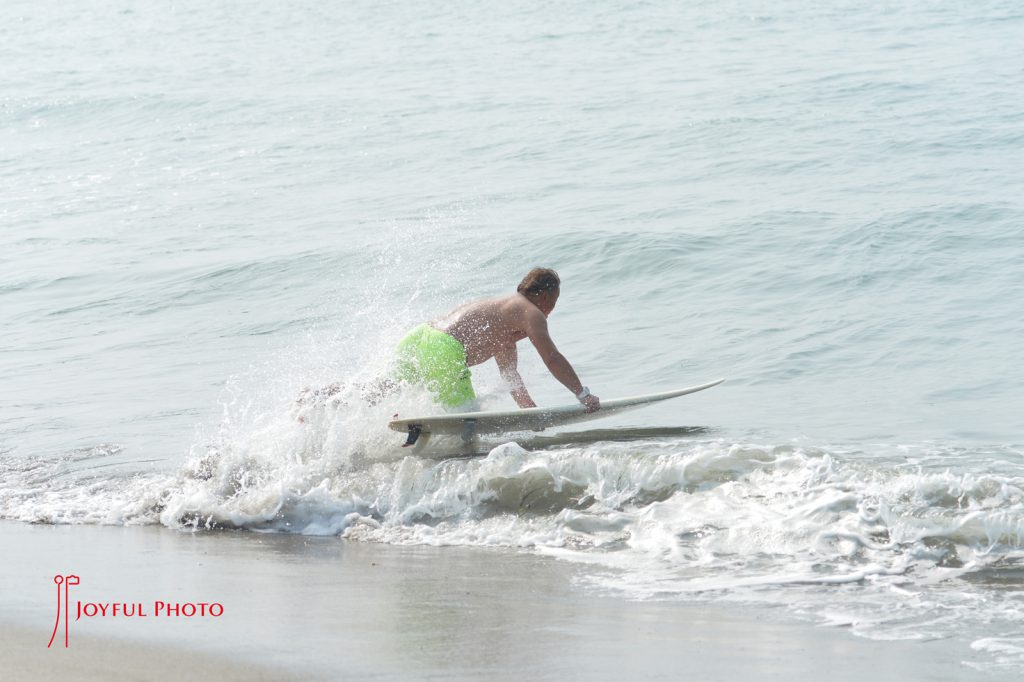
207	206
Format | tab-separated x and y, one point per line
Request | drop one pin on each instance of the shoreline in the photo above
328	608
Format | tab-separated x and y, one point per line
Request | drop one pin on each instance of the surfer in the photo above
439	354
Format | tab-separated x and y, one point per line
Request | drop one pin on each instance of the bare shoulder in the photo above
517	308
529	318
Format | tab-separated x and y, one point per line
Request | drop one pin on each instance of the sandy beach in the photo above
327	608
116	659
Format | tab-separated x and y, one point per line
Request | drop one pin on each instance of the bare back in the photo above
488	327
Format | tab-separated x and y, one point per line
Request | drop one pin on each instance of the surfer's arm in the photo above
557	364
508	363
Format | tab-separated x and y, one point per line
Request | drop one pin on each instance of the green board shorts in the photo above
438	361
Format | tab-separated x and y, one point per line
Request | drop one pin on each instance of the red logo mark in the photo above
62	605
122	609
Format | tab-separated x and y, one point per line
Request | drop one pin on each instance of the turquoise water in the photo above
207	206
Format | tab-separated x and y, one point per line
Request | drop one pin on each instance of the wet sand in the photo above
96	659
326	608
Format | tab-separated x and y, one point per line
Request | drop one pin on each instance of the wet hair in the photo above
538	281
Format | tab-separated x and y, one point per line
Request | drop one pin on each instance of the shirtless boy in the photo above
439	354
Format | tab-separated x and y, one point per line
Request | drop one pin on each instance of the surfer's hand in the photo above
591	403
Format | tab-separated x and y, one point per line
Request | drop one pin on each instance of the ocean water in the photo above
205	207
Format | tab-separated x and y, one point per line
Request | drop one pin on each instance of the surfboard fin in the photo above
468	430
414	434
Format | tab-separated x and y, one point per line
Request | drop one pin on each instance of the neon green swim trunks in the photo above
438	361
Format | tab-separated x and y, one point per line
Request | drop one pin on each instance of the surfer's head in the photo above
541	286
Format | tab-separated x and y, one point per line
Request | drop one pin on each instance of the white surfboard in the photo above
469	424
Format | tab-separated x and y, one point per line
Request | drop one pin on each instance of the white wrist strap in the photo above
582	395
